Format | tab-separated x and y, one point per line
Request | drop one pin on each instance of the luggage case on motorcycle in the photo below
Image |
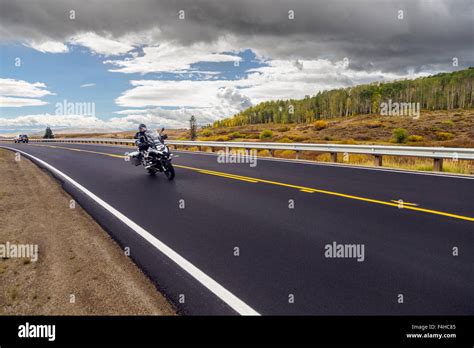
134	158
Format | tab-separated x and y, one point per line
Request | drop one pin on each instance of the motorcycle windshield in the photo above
155	136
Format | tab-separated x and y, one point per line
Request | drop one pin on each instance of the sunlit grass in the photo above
399	162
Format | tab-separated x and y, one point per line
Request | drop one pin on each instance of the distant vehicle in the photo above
21	138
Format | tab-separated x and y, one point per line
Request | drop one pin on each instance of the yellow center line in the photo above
401	202
300	188
227	176
205	171
309	189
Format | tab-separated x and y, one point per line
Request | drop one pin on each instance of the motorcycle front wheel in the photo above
169	171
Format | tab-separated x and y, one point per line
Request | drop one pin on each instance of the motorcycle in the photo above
156	156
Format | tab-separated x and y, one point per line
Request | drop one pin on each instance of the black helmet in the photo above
142	125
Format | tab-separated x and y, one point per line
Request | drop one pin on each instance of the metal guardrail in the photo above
378	151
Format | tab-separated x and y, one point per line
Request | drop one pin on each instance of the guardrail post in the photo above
272	152
438	164
378	160
333	156
297	154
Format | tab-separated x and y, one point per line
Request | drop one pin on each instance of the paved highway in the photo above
254	238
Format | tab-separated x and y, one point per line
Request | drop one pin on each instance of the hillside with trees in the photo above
444	91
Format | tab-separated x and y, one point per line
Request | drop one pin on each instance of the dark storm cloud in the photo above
369	33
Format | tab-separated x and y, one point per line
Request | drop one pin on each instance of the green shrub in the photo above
265	134
235	135
444	136
283	129
415	138
206	133
222	138
264	153
400	135
449	123
285	140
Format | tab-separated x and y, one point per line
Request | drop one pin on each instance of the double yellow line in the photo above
224	175
343	195
396	204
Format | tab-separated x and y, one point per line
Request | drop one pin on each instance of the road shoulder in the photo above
79	270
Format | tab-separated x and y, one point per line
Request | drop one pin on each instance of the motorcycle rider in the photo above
141	135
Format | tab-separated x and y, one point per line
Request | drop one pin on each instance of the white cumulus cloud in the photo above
18	93
102	45
13	102
47	46
279	79
172	57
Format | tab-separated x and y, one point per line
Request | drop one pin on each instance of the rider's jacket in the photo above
140	136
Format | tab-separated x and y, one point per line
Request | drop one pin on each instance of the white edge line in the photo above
225	295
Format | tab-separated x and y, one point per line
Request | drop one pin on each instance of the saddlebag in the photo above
134	158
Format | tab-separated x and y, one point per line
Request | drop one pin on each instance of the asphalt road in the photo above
281	267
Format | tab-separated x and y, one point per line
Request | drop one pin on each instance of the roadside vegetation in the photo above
453	128
447	128
353	116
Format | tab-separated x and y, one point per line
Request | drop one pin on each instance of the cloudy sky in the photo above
158	62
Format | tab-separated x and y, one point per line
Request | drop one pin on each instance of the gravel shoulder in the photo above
80	270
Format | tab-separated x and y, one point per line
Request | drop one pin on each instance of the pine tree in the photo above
192	128
48	134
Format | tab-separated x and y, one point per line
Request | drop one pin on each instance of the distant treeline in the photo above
442	91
